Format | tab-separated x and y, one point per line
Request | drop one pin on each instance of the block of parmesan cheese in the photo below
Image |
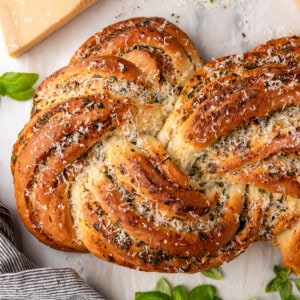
26	22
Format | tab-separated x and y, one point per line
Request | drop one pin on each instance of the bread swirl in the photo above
143	157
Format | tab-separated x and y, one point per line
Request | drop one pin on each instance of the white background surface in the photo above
216	30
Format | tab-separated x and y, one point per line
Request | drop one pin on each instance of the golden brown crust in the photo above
95	42
235	134
89	77
289	244
110	164
157	36
274	52
234	100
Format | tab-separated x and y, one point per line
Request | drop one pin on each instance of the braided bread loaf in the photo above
139	154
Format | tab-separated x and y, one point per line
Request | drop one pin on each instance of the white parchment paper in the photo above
218	29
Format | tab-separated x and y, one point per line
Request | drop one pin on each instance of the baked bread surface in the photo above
145	157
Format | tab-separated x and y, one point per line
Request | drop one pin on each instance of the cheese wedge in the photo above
27	22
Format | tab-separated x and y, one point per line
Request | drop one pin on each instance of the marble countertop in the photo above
217	29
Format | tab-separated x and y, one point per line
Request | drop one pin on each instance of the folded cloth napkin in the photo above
21	279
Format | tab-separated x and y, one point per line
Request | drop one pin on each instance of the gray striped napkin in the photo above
21	279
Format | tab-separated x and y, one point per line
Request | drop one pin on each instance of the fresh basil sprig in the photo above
283	284
214	273
164	291
18	86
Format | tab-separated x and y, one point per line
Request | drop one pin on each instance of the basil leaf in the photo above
292	297
285	290
214	273
274	285
152	295
297	284
203	292
2	90
281	271
16	82
179	293
164	286
18	85
22	95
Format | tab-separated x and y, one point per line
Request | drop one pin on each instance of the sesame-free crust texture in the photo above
145	157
